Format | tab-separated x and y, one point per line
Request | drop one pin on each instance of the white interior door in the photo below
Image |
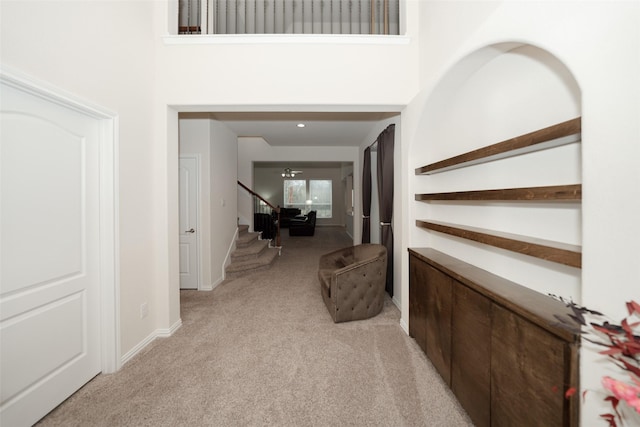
189	256
50	333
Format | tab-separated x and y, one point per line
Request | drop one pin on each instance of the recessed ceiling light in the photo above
300	125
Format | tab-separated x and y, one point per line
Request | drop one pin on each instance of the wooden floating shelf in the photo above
549	137
551	193
548	250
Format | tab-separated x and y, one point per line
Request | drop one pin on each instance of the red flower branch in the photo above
621	345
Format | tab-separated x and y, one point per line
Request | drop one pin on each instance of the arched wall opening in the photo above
496	93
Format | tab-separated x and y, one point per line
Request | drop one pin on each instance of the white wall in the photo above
113	54
195	139
289	71
484	106
216	146
267	73
83	48
252	149
268	182
224	197
599	43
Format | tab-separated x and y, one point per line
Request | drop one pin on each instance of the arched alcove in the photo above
496	93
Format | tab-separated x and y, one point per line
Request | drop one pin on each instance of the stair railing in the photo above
289	17
262	206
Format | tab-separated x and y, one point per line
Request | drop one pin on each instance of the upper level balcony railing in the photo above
289	17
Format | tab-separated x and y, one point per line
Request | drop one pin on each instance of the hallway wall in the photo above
599	43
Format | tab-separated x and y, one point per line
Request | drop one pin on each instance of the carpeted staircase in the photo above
251	254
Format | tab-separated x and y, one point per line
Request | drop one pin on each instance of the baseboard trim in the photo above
164	333
404	326
227	258
216	283
158	333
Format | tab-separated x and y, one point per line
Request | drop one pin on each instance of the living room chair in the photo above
303	226
286	214
352	281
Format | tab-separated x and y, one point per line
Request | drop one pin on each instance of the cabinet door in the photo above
528	373
471	353
439	298
418	301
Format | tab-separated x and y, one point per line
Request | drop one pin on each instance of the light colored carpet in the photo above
262	350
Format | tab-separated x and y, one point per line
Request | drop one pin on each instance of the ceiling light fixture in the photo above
301	125
288	173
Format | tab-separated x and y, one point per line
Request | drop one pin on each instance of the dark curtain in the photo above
385	194
366	197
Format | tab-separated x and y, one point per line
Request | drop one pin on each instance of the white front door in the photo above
50	335
189	260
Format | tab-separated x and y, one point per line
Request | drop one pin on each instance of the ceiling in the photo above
325	129
295	165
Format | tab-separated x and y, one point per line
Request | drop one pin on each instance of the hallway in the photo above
262	350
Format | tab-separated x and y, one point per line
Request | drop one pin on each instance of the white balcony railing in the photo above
289	17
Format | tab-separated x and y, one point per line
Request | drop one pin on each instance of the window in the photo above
318	197
349	195
295	193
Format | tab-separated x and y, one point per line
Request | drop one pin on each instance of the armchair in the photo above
286	215
303	226
352	281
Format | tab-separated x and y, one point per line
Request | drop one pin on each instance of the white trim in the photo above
215	284
138	347
280	108
343	39
396	302
109	204
404	326
110	245
167	332
197	158
227	258
158	333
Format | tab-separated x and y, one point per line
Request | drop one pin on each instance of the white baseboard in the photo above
397	303
158	333
227	258
404	326
164	333
216	283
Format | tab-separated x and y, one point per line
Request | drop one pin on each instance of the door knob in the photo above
190	231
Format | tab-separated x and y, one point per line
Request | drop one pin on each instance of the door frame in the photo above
108	224
197	158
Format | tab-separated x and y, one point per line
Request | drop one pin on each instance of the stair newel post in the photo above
278	227
261	205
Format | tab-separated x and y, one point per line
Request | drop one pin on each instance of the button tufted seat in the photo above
352	281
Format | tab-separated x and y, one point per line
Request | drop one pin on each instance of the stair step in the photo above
246	239
249	252
242	228
262	262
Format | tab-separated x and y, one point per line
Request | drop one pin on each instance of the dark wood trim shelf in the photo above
549	137
550	193
561	253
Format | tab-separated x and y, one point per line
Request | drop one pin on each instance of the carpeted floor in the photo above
262	350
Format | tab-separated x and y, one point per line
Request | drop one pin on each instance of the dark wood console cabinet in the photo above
497	344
